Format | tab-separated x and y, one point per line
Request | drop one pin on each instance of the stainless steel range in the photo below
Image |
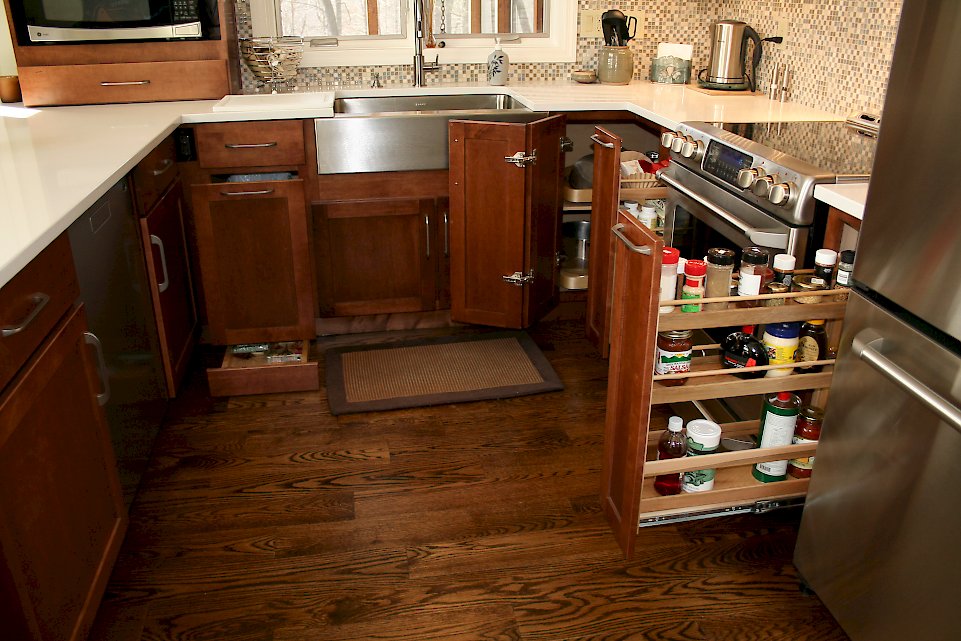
753	183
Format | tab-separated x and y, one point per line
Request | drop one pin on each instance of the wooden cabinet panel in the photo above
63	515
154	174
255	260
251	144
123	82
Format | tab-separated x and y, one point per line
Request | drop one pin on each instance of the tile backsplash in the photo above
839	51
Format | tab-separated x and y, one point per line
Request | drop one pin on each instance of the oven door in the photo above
700	215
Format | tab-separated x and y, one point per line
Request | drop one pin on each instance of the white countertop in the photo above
848	198
57	161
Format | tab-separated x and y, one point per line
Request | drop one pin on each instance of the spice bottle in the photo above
647	216
812	346
669	259
741	349
806	283
720	268
703	437
807	430
775	287
751	275
694	271
672	444
824	262
632	208
781	342
784	268
778	420
673	355
845	268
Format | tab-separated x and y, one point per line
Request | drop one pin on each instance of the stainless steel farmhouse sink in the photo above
402	133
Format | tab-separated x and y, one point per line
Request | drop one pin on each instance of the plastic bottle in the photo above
741	349
632	208
694	271
720	268
498	65
751	275
824	262
812	346
703	437
784	268
669	259
647	216
781	342
672	444
778	420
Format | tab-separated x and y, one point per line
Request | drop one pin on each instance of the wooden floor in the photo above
265	518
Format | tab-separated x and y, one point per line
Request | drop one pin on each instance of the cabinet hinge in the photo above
521	159
566	144
519	279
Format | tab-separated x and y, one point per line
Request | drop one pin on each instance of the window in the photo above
340	18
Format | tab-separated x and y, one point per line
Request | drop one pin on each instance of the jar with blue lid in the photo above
780	342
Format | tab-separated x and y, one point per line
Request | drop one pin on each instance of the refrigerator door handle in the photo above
869	352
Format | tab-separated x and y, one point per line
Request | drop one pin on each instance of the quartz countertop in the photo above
57	161
849	198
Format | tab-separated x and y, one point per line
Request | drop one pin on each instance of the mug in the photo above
10	89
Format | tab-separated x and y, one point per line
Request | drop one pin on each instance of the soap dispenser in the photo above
497	65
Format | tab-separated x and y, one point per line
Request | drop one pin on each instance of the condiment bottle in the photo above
632	208
703	437
812	346
845	269
824	261
741	349
781	342
751	275
647	216
806	283
669	259
672	444
784	268
673	355
778	420
720	268
807	430
694	271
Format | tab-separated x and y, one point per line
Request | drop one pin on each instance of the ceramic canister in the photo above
615	65
703	437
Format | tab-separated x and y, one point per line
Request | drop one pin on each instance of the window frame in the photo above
559	44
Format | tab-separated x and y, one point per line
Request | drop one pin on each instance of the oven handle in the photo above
763	238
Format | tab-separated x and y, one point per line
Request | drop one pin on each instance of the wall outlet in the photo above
590	26
782	26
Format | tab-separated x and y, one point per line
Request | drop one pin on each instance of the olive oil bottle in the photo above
778	420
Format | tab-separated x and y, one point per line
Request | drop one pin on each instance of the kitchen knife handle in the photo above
870	353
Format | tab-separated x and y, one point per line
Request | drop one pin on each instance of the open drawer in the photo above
252	373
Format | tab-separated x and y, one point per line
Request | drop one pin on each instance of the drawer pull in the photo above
127	83
259	192
155	240
40	301
602	143
165	166
91	339
427	233
251	145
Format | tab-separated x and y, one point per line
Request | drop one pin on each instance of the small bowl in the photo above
585	76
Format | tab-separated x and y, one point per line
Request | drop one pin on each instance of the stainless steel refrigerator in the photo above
880	537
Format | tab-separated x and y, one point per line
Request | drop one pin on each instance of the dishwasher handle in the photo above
757	236
870	353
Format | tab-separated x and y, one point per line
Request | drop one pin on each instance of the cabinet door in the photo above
255	261
504	220
63	515
165	246
604	201
637	260
376	256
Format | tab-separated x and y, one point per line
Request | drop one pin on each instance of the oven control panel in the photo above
725	162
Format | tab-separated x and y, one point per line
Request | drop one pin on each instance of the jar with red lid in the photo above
673	355
807	430
694	271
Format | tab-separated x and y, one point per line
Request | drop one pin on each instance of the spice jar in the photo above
720	268
669	259
807	283
751	275
807	430
694	271
775	287
784	268
673	355
845	269
824	262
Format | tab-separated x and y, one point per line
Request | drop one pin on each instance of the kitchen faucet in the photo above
420	66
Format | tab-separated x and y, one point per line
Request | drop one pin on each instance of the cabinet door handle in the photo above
637	249
259	192
165	166
155	240
446	235
127	83
251	145
40	301
91	339
600	142
427	235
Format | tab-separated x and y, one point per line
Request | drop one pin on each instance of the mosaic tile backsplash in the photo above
839	52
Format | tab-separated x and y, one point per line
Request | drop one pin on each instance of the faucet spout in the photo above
420	34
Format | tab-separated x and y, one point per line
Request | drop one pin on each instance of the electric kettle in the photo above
728	52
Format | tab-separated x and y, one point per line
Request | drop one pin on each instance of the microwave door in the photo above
97	20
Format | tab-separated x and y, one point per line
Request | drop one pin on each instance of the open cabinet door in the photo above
604	201
504	220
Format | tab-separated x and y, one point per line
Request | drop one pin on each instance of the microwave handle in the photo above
757	236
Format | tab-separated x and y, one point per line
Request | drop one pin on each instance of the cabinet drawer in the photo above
251	144
33	302
126	82
238	376
153	174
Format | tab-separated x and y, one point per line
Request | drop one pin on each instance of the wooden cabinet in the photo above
251	144
629	466
63	515
504	220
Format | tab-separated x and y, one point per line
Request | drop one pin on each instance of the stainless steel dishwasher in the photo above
115	292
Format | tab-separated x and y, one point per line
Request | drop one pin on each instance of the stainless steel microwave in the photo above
75	21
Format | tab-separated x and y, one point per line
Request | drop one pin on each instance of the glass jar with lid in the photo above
673	355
